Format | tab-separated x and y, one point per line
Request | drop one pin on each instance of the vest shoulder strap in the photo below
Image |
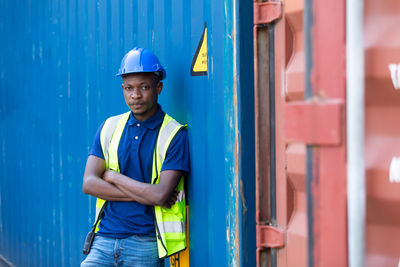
110	127
168	131
107	132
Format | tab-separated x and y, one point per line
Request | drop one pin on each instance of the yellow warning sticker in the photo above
199	63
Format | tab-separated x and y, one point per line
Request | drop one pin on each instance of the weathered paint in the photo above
290	173
57	85
317	123
382	132
328	79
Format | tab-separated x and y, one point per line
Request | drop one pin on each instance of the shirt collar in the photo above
152	122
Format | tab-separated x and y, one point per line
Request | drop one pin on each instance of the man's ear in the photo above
159	87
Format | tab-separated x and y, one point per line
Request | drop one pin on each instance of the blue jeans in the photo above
132	251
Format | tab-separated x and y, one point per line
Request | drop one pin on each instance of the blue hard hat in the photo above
141	60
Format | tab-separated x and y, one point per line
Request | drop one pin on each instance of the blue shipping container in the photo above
57	84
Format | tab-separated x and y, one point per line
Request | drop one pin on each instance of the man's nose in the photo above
136	93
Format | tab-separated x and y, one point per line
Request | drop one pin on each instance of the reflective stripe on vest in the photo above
170	223
171	227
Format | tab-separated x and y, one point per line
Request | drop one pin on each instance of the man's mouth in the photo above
137	105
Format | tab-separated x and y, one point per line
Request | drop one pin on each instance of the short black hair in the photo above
155	76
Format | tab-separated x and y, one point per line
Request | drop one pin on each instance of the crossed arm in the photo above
113	186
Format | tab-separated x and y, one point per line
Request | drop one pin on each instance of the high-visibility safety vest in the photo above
169	223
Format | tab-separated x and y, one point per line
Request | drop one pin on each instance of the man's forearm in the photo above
135	196
144	193
97	187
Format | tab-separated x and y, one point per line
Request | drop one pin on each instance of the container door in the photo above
300	146
382	131
280	166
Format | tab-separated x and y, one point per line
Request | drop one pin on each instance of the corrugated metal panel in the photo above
301	138
56	86
382	132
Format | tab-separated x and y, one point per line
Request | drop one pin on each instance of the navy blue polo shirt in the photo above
135	157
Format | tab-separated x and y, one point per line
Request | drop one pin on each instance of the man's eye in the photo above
128	88
145	87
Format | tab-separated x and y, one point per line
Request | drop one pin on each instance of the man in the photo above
136	164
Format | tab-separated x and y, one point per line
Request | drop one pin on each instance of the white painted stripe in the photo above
394	170
5	262
395	75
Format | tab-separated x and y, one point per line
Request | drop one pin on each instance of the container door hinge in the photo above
269	236
267	12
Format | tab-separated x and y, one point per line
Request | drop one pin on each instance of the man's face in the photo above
141	91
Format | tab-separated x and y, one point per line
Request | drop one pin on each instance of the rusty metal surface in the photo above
382	51
262	137
307	123
261	115
382	131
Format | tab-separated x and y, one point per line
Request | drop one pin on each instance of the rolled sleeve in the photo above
96	149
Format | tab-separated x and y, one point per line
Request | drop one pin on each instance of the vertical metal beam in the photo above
272	130
355	133
308	24
265	13
261	119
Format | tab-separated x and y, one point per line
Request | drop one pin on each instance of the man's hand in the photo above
94	185
171	200
109	176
